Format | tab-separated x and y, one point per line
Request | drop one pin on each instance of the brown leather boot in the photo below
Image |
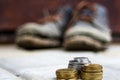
88	28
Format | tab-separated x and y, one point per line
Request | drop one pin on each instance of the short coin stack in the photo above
92	72
77	63
67	74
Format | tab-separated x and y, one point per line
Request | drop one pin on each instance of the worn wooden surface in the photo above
16	12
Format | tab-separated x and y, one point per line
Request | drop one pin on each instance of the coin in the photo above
66	73
97	76
69	79
78	62
92	68
82	60
74	64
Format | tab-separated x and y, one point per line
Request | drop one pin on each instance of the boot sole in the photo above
32	42
82	43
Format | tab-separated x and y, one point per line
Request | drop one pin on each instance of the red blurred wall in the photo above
16	12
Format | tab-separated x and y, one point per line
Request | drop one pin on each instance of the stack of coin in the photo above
92	72
78	62
67	74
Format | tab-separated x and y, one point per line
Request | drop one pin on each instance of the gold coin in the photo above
91	75
91	79
66	76
68	70
92	68
66	73
68	79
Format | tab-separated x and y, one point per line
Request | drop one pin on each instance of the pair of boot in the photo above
82	27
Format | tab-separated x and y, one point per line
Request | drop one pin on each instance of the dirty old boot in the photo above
88	28
47	33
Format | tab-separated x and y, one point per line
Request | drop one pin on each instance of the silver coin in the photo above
82	60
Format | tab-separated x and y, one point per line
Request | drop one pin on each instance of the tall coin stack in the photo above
92	72
67	74
77	63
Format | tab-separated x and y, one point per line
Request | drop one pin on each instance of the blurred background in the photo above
31	64
13	13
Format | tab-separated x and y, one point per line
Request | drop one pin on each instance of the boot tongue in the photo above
66	10
87	12
84	12
65	13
